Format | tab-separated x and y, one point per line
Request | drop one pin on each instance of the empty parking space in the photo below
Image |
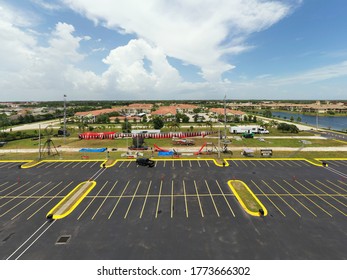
184	197
115	196
170	198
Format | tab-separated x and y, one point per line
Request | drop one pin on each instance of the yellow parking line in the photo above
214	204
85	164
227	202
326	192
90	203
31	204
197	194
11	187
337	186
50	164
76	164
102	203
119	198
144	203
22	200
342	182
131	202
285	161
19	194
185	197
172	198
268	198
59	164
68	164
281	198
295	163
340	194
3	184
308	198
327	202
158	202
295	198
55	196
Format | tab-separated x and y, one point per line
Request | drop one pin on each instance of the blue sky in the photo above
178	49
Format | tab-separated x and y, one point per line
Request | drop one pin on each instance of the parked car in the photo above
145	162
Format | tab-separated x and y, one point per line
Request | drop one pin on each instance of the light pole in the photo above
219	142
225	118
64	119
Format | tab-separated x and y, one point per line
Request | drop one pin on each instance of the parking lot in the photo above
152	210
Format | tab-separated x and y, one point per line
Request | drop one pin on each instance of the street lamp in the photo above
64	119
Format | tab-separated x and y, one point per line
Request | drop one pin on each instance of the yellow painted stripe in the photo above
158	202
144	203
268	198
55	196
121	195
239	198
197	194
307	197
90	203
295	198
185	198
227	202
214	204
30	164
281	198
132	199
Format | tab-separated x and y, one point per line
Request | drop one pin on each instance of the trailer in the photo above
248	129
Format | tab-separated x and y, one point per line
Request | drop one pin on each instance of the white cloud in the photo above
198	32
28	70
315	75
47	5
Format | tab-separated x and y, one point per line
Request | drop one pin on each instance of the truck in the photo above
248	129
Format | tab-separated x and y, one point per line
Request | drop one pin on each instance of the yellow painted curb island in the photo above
242	202
223	164
108	163
31	164
71	201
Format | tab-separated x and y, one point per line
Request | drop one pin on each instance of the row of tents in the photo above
115	135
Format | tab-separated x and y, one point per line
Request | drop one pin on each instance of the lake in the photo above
331	122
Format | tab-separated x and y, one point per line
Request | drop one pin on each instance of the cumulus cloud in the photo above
198	32
29	70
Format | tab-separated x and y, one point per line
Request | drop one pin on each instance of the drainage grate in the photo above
63	239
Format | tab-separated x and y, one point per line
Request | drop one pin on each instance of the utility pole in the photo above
39	142
64	118
225	118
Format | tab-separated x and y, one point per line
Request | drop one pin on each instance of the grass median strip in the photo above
71	201
248	200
